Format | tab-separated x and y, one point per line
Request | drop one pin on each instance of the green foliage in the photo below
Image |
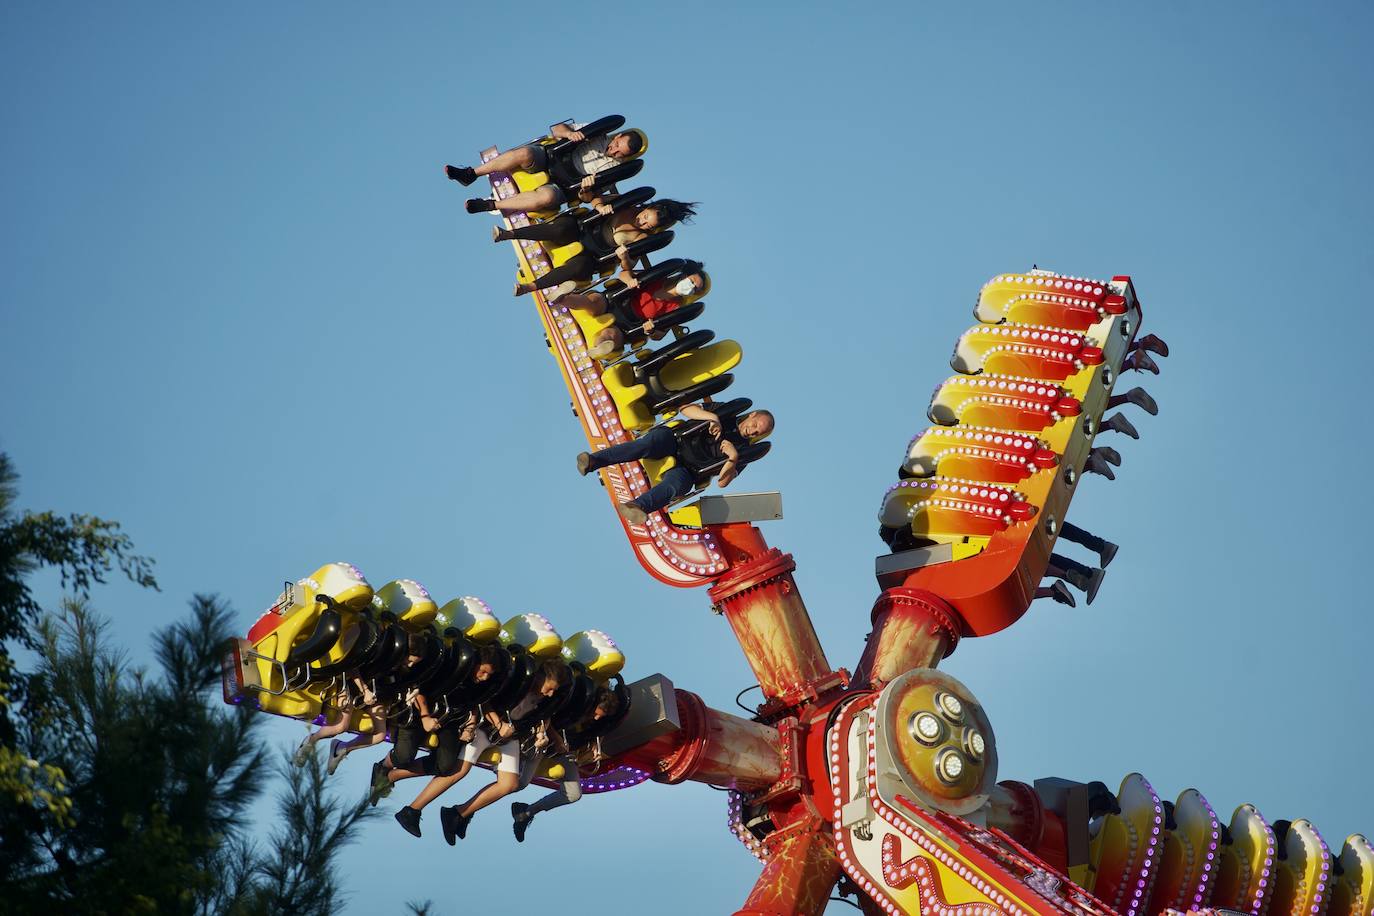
83	549
126	791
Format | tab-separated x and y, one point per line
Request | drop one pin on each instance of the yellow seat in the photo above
1240	883
596	652
299	613
408	601
532	632
628	394
699	365
1117	853
978	452
530	181
591	325
691	368
1043	297
470	615
1185	862
557	258
948	509
1353	892
655	468
1302	876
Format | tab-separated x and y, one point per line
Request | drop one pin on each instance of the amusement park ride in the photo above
881	784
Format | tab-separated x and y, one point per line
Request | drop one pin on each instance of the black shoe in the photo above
381	786
519	812
446	821
461	174
480	205
409	818
455	825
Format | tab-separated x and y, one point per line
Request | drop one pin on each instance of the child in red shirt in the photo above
648	303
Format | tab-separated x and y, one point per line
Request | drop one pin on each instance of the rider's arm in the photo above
730	470
564	131
695	412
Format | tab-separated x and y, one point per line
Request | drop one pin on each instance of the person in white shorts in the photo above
553	677
564	751
445	764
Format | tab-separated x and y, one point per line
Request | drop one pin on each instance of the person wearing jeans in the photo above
723	440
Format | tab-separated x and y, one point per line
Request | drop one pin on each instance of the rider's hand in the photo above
605	209
576	136
505	731
588	181
429	723
648	326
727	474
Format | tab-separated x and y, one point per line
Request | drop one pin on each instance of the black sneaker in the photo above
461	174
446	822
480	205
409	819
381	786
455	825
520	813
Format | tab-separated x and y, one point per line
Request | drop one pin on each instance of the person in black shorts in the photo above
591	159
722	440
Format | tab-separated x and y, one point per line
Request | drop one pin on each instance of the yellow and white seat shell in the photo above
472	616
596	652
407	600
533	633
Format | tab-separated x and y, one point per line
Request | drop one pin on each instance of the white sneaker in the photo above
303	752
336	756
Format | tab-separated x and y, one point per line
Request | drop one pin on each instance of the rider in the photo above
579	165
723	440
612	234
646	302
445	761
552	678
491	731
358	695
563	752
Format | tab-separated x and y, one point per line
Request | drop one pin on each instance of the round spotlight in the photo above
949	767
926	729
950	706
974	744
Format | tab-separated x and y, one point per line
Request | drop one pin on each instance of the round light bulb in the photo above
975	744
950	705
925	728
950	767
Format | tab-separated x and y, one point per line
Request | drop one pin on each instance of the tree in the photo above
83	548
132	789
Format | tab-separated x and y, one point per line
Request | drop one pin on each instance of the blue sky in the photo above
243	313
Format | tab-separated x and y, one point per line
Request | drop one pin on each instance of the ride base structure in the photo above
882	784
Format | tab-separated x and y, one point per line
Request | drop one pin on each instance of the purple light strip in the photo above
623	777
